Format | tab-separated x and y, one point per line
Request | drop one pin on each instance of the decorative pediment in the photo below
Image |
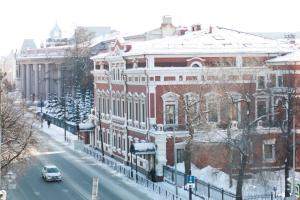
170	96
118	47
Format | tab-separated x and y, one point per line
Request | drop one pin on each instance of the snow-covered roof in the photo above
42	53
220	40
291	58
86	126
143	148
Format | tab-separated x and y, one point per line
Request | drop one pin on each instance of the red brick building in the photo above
141	89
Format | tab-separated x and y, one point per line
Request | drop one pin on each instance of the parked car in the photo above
51	173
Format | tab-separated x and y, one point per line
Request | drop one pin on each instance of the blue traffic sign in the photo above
190	179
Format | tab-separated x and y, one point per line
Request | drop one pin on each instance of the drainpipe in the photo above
148	105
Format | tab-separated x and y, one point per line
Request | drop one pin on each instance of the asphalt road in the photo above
77	170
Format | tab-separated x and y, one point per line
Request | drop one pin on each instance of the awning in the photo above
143	148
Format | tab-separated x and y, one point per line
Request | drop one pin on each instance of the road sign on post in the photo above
95	188
190	181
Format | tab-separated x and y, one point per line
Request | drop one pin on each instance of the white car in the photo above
51	173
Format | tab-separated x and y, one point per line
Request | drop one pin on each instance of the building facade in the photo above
142	89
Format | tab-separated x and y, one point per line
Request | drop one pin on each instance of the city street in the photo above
77	171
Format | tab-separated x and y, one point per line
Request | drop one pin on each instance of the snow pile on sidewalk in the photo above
261	183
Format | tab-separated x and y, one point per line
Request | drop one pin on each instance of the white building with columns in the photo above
39	72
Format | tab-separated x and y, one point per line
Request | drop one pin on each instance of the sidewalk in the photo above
158	190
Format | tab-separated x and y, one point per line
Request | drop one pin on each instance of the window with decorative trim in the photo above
261	108
114	107
261	82
213	107
170	114
269	150
170	108
143	111
191	104
115	140
136	109
279	81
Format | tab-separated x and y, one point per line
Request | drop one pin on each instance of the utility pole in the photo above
294	158
100	131
41	102
175	163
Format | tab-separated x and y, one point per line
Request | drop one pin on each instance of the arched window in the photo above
196	64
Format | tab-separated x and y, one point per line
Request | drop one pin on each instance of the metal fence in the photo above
139	178
203	189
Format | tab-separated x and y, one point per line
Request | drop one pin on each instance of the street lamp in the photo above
2	75
100	132
175	163
41	104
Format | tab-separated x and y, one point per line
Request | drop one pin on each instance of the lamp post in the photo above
41	104
100	132
131	151
1	78
175	163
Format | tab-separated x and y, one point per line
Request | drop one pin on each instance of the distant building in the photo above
28	44
8	65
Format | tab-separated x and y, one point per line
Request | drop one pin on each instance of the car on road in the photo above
51	173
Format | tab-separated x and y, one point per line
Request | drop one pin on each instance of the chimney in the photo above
166	19
196	27
210	29
182	30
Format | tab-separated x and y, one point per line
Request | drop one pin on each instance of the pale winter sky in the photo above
20	19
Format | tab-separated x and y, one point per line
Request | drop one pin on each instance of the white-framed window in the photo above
234	107
136	111
114	107
114	140
212	107
279	81
180	155
261	82
170	114
108	138
119	107
119	142
196	64
143	111
191	104
123	143
103	105
261	108
269	150
170	108
122	108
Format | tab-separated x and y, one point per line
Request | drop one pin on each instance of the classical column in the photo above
36	82
28	85
23	81
59	80
47	77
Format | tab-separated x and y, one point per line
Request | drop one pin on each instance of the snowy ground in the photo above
57	133
262	183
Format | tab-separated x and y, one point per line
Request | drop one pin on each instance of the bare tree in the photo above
286	111
77	64
17	134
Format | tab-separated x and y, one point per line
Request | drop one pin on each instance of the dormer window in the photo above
196	64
